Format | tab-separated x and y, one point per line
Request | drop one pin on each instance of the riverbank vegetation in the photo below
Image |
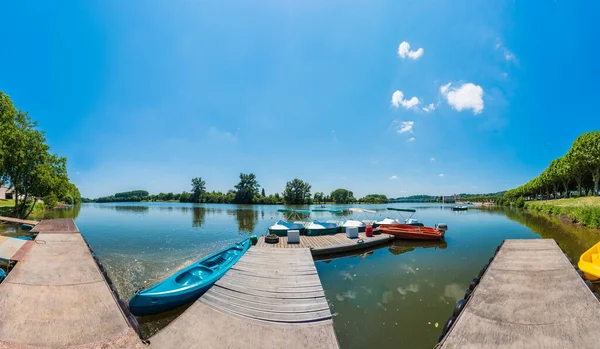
563	187
26	164
247	191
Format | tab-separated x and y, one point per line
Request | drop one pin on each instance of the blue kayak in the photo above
2	274
188	284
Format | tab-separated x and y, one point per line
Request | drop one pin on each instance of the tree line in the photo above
575	173
247	191
26	164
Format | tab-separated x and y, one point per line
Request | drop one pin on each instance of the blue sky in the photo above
148	94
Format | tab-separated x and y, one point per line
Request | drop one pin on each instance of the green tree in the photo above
296	192
375	199
319	197
198	189
262	193
26	163
246	189
342	196
185	197
586	150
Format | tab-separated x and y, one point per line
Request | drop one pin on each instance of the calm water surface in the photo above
398	296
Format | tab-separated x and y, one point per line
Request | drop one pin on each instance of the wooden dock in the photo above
57	297
271	298
529	297
12	249
330	244
17	221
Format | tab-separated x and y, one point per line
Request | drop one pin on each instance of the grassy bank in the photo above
584	210
7	206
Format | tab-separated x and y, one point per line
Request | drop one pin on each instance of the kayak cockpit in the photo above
193	275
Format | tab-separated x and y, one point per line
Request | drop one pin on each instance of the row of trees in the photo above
128	196
577	171
247	191
27	165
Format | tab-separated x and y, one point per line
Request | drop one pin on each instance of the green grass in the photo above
6	209
7	203
585	210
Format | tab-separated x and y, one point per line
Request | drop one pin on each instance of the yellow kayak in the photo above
589	263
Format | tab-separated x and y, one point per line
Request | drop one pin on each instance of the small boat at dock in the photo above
412	232
281	227
355	223
188	284
589	263
2	275
322	228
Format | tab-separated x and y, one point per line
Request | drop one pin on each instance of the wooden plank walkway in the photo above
56	226
17	221
271	298
57	297
529	297
330	244
14	249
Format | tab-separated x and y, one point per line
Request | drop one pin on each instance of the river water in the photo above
398	295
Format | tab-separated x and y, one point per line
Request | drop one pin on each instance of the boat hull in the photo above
281	228
188	284
411	232
589	263
326	231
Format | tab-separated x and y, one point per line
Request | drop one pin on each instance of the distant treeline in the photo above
247	191
296	192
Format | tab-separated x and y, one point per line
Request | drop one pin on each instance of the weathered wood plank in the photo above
302	317
271	298
17	220
56	226
14	249
58	298
316	302
529	297
288	307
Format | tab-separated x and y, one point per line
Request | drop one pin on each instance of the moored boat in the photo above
187	284
2	275
281	227
386	221
322	228
460	208
589	263
412	232
355	223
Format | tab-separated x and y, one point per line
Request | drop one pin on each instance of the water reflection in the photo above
246	219
67	212
573	239
132	209
403	246
198	216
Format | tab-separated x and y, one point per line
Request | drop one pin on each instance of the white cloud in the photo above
441	175
411	139
432	159
404	51
467	96
406	126
508	55
430	107
394	177
445	88
398	100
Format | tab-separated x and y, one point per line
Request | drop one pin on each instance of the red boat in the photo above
412	232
